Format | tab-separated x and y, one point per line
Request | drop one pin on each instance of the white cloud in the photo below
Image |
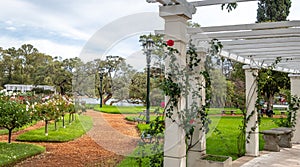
54	49
80	20
11	28
44	46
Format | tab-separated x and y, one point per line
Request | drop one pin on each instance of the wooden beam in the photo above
256	26
216	2
272	53
255	34
262	41
258	50
262	45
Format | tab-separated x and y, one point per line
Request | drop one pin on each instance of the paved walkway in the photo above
287	157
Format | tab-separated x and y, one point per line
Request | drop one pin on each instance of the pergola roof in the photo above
257	44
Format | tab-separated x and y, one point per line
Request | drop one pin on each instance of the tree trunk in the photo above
270	102
70	118
9	135
46	127
109	96
63	120
55	124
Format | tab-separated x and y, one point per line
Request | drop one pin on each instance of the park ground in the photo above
92	149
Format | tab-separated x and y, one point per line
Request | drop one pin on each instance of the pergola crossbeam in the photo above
216	2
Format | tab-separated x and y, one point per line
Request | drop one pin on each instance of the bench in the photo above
276	138
231	112
141	117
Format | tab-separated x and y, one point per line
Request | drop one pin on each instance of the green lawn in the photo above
5	131
15	152
222	144
122	109
72	131
226	142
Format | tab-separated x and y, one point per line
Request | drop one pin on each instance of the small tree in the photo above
47	111
13	115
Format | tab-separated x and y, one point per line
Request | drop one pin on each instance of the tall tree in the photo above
270	82
273	10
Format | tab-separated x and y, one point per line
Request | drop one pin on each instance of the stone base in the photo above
209	163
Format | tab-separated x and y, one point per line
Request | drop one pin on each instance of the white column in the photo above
176	17
199	137
295	91
252	137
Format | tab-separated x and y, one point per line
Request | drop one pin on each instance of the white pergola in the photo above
257	45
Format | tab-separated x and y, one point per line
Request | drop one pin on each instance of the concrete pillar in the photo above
199	137
295	91
176	17
252	137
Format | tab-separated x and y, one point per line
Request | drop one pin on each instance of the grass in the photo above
123	109
5	131
72	131
16	152
213	111
224	143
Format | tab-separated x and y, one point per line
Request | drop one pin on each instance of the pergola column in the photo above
199	137
295	90
252	137
176	17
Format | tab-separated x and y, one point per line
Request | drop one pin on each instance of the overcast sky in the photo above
65	27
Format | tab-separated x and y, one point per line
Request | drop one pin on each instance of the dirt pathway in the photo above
105	145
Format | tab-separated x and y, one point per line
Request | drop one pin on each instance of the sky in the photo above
95	28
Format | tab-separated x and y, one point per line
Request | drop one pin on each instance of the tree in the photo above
137	89
273	10
270	82
13	115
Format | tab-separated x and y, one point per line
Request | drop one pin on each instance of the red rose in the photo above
192	121
170	42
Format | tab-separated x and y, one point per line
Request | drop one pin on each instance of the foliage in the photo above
15	152
152	139
271	82
269	11
79	127
223	144
13	114
229	7
291	118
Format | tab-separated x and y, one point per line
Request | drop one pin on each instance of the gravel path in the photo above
105	145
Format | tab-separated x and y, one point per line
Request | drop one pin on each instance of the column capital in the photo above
294	75
180	10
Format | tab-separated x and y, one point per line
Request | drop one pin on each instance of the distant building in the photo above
25	88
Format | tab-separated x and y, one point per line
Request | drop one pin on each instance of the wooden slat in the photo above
260	41
216	2
275	53
256	34
258	50
256	26
262	45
